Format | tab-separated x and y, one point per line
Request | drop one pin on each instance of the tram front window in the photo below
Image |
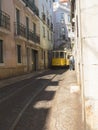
61	54
57	55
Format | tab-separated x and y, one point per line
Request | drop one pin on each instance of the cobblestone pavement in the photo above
66	111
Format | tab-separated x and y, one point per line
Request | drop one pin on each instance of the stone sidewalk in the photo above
66	113
18	78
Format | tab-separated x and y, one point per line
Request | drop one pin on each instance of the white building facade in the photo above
46	31
62	24
86	50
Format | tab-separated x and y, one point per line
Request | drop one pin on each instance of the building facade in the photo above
20	45
86	52
62	24
46	31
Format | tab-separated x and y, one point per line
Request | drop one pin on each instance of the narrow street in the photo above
37	39
44	102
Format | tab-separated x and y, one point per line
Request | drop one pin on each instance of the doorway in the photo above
34	60
44	60
28	58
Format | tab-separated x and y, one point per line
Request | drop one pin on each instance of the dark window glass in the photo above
61	54
27	27
43	31
19	53
34	28
1	51
17	16
57	54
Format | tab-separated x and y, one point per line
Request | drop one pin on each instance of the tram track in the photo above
14	88
13	93
32	88
28	103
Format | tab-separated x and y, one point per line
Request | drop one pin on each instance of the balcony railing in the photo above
48	22
43	17
32	6
34	37
21	30
37	39
4	20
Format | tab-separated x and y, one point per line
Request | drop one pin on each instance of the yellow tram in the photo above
60	58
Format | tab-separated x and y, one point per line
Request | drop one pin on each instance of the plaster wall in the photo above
10	67
89	47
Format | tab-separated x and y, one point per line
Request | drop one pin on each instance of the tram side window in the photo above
64	55
61	54
56	54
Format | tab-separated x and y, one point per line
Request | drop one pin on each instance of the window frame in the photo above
1	52
19	57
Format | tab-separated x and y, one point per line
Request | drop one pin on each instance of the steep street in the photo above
48	101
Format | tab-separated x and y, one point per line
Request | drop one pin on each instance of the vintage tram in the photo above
60	58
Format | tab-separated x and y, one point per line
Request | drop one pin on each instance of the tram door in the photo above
34	60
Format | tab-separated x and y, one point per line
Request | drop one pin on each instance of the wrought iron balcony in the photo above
20	30
32	6
4	20
34	37
43	17
37	39
24	32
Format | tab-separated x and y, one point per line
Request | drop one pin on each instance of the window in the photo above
27	27
43	31
34	28
42	54
48	35
0	4
63	37
61	54
62	20
17	16
18	53
68	18
1	51
62	15
18	21
62	30
50	3
56	54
